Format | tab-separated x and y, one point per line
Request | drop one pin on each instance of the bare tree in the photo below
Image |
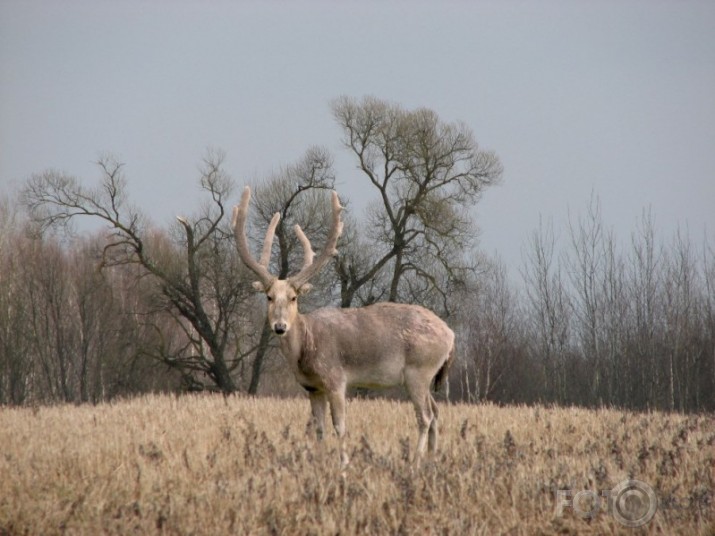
683	324
707	380
15	366
585	264
202	292
549	311
95	316
644	279
428	173
614	315
491	331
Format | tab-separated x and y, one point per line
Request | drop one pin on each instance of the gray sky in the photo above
615	98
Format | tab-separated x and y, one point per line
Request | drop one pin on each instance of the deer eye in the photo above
294	298
269	298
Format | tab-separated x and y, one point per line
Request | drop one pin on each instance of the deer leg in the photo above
318	407
421	398
337	412
433	427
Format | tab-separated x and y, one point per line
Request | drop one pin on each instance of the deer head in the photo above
282	294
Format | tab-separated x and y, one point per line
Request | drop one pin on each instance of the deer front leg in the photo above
337	412
318	407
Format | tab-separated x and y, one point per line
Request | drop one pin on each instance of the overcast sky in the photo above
615	98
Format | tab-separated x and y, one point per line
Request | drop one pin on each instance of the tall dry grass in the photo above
209	465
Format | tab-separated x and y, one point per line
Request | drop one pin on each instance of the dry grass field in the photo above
209	465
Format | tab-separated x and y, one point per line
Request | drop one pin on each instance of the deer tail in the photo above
443	373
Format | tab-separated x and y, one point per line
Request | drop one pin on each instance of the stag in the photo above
329	350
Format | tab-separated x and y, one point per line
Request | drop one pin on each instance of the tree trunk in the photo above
221	375
396	274
347	291
258	360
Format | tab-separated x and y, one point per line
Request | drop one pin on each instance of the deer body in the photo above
373	347
329	350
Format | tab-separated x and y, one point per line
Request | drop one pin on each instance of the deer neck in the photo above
294	342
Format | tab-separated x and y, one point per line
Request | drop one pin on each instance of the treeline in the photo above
591	324
132	308
596	322
69	331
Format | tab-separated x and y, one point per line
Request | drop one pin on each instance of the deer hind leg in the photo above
318	407
418	390
433	427
337	412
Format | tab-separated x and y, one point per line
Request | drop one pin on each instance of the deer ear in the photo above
258	286
305	288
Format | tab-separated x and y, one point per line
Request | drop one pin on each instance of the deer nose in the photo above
280	328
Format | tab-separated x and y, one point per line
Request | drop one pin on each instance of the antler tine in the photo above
311	267
240	213
268	241
308	253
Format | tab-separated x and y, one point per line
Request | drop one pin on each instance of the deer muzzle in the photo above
280	328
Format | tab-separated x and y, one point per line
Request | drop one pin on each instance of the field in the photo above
210	465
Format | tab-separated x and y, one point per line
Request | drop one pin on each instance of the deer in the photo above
332	349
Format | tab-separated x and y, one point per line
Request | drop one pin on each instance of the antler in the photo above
310	267
240	213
